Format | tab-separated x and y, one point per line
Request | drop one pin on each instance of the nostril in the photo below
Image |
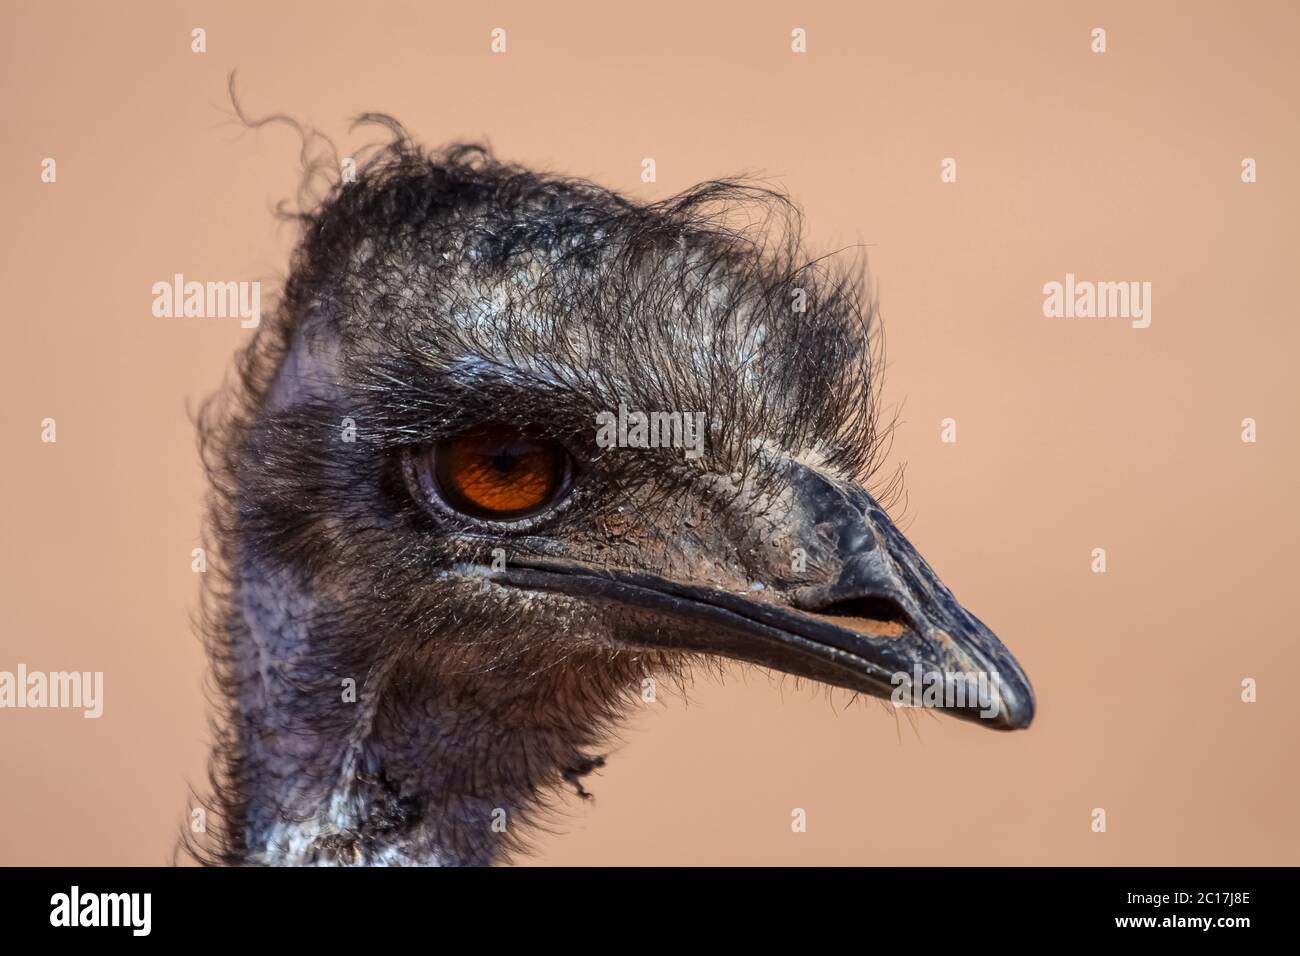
873	608
857	605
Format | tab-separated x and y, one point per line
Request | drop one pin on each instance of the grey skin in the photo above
400	683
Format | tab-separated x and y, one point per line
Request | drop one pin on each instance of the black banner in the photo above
966	907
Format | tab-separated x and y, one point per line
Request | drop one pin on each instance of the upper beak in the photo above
879	622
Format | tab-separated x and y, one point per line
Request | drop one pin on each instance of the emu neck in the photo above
387	755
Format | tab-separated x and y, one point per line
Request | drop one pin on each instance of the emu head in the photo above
454	551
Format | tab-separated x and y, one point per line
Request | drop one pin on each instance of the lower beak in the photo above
884	625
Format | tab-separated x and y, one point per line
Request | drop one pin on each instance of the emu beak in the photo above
880	623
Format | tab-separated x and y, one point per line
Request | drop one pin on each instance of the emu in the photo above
436	594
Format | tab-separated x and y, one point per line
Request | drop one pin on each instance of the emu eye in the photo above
497	472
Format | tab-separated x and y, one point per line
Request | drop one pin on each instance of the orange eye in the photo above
499	472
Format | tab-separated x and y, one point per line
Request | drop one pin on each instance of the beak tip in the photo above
1017	707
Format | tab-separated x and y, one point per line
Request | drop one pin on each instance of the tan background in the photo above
1072	434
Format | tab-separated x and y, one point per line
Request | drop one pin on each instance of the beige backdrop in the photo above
1072	434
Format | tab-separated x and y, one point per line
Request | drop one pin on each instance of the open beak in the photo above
879	622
